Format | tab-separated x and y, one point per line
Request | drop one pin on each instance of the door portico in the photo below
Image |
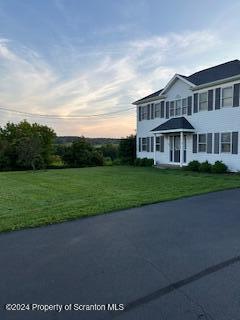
175	131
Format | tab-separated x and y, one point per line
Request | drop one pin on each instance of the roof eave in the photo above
160	97
214	83
175	130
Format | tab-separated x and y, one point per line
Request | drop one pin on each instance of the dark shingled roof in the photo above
173	124
219	72
222	71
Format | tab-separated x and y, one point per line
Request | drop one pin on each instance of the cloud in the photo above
108	79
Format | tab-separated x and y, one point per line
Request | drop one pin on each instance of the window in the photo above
144	112
157	110
202	142
144	144
184	106
203	101
178	108
158	144
172	109
227	99
226	142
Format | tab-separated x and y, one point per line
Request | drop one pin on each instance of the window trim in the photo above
180	108
199	94
144	144
158	104
230	143
202	143
221	96
172	105
158	144
186	106
144	112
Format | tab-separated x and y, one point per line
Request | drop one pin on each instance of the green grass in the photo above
29	199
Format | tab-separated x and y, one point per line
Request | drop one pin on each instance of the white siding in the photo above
222	120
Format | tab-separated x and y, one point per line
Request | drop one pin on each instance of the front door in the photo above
175	149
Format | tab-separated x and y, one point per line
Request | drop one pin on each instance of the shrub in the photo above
219	167
205	167
107	161
137	162
144	162
116	162
109	150
96	158
127	150
193	165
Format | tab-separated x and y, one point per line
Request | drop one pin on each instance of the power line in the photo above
49	116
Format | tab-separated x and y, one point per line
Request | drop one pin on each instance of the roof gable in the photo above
173	80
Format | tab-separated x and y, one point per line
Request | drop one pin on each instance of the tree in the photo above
82	154
25	145
29	153
110	150
127	149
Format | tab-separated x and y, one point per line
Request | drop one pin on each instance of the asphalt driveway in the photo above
174	260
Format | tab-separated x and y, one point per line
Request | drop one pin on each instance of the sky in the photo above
78	57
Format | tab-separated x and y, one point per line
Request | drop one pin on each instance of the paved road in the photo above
174	260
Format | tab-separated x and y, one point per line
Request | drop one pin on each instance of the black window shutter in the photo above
234	142
162	143
217	98
210	100
139	144
209	143
152	111
140	113
195	143
236	91
167	109
189	107
195	102
216	142
148	111
162	109
152	141
148	144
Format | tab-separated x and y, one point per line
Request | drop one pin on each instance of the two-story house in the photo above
194	117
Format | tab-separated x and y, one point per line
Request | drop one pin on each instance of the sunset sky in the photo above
77	57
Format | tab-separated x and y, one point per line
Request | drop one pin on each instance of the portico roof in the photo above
175	125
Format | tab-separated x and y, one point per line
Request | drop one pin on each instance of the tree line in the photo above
26	146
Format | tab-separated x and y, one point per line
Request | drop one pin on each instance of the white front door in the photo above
175	149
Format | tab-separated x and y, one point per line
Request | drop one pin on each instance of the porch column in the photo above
154	148
181	148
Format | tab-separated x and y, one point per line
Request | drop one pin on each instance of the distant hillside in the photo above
95	141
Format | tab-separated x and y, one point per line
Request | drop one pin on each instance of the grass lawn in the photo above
30	199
